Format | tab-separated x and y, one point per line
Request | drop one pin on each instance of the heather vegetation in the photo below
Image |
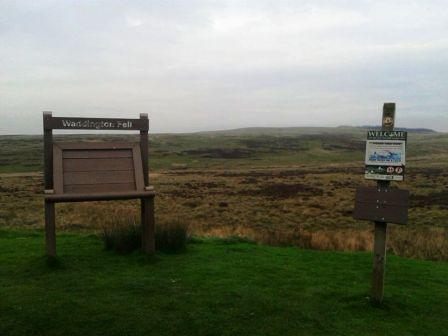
231	209
283	187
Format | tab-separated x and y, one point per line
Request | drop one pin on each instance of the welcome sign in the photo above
385	155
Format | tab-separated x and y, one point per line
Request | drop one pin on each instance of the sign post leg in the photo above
379	249
50	229
379	262
148	224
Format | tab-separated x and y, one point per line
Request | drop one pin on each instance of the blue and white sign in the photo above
385	155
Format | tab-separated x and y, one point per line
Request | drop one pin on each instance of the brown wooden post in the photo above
379	248
148	227
48	151
50	225
50	229
147	204
144	147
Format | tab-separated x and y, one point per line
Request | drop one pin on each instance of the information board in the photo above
385	155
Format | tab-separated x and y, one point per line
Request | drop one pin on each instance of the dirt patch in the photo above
427	172
203	185
246	174
249	180
192	204
220	153
275	144
345	184
26	174
291	172
197	189
346	145
283	190
433	199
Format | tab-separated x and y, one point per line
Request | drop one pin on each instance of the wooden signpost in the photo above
97	171
383	204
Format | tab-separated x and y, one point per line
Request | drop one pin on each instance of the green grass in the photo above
214	288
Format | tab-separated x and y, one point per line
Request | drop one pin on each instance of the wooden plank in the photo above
79	165
106	196
96	153
389	196
99	188
96	145
96	124
381	213
98	177
138	169
57	170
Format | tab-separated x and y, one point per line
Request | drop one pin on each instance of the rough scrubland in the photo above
237	191
292	186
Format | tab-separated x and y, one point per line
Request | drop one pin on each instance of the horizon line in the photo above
83	132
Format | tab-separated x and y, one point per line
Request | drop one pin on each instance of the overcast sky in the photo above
205	65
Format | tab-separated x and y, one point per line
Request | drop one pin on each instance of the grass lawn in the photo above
214	288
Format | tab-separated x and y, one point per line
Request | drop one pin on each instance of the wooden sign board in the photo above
96	124
97	171
88	168
387	205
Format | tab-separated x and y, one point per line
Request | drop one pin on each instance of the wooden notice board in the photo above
97	171
386	205
94	168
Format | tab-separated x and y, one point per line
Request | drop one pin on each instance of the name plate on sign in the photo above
96	124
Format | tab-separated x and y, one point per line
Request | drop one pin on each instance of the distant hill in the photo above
295	131
414	130
286	131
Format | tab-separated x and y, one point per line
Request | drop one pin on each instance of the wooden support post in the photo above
380	243
50	229
148	227
48	152
147	204
144	149
379	261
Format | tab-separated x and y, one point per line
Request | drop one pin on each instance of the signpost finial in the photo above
388	121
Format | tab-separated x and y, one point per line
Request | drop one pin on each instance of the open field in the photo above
280	187
214	288
246	148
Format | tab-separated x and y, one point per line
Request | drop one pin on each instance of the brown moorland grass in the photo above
309	207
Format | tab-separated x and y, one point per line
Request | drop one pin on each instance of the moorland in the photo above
278	186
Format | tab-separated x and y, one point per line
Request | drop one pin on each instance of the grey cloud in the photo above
198	65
